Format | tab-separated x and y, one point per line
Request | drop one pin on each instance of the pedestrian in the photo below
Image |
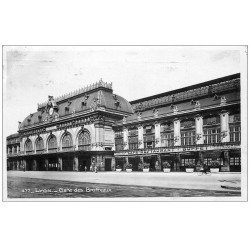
85	168
95	168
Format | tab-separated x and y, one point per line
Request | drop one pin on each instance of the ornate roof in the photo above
95	96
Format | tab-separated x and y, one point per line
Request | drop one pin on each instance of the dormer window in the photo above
39	118
66	110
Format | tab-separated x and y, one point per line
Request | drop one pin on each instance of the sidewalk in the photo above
153	179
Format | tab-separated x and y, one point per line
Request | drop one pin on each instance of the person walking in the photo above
95	168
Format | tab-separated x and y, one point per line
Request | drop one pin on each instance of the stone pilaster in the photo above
75	163
24	165
99	136
157	135
177	132
224	123
46	164
199	129
113	164
140	137
125	138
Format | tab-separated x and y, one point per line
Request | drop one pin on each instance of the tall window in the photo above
133	138
39	144
52	144
211	135
67	141
84	141
188	132
234	127
119	140
28	146
167	135
211	129
149	136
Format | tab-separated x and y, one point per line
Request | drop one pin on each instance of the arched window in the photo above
52	144
28	146
84	141
67	141
39	144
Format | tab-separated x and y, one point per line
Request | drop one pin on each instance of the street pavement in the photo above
216	181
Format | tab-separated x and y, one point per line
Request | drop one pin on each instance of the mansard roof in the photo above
84	100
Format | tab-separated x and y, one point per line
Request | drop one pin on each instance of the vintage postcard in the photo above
125	123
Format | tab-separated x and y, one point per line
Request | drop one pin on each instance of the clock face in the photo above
51	111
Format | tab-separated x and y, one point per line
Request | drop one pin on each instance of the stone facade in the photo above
95	128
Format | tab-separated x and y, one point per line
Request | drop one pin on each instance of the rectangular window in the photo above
211	135
187	138
234	133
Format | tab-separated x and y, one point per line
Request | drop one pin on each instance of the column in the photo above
199	129
46	164
177	132
34	165
17	149
226	167
158	167
224	126
200	160
8	150
24	165
18	165
75	163
177	162
125	138
140	137
60	163
113	164
157	135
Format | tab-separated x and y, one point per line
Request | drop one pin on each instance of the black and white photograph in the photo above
125	123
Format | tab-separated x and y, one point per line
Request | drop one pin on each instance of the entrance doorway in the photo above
107	164
29	165
41	165
151	160
67	163
135	162
84	161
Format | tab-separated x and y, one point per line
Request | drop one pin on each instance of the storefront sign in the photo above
176	149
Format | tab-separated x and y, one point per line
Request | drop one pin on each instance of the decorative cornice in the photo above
192	94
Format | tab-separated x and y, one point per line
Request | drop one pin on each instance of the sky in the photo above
32	73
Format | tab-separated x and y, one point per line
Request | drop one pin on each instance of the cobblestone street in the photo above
112	184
